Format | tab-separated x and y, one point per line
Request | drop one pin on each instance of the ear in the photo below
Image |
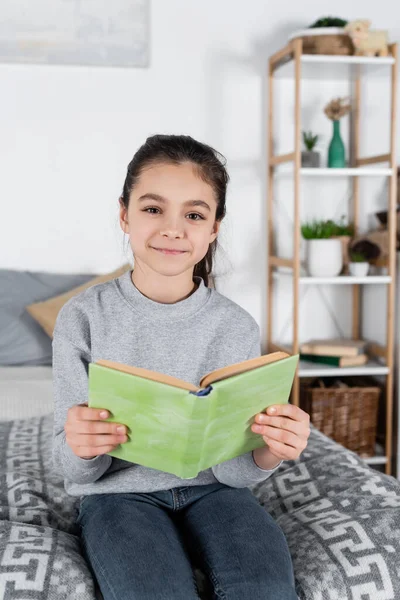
123	214
215	231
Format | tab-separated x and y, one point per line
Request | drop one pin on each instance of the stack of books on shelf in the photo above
341	352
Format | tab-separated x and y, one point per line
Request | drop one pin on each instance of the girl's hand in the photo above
285	430
88	435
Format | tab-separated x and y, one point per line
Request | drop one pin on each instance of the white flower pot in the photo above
324	257
359	269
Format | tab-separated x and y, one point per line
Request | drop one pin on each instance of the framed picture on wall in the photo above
75	32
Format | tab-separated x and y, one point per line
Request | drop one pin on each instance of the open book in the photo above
181	428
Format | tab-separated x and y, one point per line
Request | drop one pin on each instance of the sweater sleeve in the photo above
70	387
242	471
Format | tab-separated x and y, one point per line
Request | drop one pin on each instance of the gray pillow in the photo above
22	340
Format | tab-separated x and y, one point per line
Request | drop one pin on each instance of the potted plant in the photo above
335	110
310	158
358	265
324	251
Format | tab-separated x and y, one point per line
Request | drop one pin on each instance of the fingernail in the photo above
121	429
271	410
104	414
258	428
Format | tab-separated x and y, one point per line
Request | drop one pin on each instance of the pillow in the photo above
45	313
22	340
40	551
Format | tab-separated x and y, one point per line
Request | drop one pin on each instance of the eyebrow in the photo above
151	196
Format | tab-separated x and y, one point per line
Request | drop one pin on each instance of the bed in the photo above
340	517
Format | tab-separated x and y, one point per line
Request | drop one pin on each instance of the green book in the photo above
336	361
180	428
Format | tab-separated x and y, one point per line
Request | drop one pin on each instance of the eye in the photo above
150	208
200	217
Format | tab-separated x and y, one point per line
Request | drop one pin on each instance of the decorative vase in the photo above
310	159
324	257
336	152
359	269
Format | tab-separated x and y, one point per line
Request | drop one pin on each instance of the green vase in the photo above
336	154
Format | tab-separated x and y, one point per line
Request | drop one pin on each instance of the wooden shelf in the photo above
284	169
339	280
309	369
348	172
328	67
290	62
379	458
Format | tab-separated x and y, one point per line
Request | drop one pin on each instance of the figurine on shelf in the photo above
374	245
366	42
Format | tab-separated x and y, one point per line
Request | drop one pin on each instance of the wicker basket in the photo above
327	44
326	40
347	415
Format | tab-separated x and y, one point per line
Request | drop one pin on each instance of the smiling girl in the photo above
143	529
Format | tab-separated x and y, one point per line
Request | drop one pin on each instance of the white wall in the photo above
68	134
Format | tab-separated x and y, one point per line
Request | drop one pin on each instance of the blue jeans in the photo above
143	546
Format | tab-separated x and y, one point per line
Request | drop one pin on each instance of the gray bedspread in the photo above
340	517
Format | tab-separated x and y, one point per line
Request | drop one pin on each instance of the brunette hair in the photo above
178	149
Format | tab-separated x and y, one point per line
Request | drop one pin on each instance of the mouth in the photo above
170	251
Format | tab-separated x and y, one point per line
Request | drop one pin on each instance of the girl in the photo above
141	529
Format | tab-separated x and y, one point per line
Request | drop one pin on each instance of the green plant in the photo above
329	22
317	230
314	230
343	229
357	256
309	140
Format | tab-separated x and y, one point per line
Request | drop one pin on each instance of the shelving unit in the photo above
327	67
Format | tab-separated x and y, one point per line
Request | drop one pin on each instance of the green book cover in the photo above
184	432
325	360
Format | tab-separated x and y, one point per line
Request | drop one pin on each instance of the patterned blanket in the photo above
341	520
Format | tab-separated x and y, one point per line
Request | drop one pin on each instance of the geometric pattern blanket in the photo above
340	517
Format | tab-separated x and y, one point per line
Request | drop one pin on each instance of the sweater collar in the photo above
159	310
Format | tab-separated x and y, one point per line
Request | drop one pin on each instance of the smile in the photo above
169	251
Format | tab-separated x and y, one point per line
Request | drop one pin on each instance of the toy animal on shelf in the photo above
375	244
366	42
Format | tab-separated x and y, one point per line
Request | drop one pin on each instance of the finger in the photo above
87	413
96	441
281	423
286	437
281	450
96	427
288	410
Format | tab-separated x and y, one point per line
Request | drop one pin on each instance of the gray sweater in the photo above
187	339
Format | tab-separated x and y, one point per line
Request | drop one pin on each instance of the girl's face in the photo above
170	208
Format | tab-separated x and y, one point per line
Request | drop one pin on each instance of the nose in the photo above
172	228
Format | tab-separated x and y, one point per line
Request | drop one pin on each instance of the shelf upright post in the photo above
298	49
391	222
270	202
356	196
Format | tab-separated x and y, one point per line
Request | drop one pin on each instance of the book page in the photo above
148	374
241	367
